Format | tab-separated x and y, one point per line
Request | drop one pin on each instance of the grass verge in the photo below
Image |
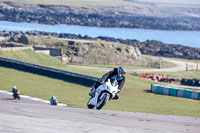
43	87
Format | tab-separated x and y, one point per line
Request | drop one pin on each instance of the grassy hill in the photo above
32	57
135	97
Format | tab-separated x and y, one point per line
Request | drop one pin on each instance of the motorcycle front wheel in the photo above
102	100
89	105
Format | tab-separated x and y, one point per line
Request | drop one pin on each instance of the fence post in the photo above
186	66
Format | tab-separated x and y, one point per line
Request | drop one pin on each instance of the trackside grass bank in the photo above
135	97
43	87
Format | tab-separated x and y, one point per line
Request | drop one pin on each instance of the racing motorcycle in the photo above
53	100
16	95
103	94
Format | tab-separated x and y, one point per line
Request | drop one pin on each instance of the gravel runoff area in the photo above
30	116
180	66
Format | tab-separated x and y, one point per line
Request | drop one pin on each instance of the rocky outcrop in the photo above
20	38
148	47
77	51
158	48
100	52
122	16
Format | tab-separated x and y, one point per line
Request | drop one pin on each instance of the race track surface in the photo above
28	116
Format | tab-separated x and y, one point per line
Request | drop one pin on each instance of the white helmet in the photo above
122	71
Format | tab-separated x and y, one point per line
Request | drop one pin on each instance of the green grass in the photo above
32	57
148	58
164	64
180	75
135	96
114	66
42	59
43	87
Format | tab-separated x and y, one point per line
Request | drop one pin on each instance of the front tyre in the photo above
89	105
102	100
18	97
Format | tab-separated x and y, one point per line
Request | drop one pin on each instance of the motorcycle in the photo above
104	93
16	95
53	101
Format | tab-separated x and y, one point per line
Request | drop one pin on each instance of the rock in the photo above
137	51
19	39
71	42
119	49
131	51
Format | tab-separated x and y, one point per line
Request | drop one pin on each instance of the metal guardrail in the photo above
49	72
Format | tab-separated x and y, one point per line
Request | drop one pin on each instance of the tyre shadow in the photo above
5	99
147	91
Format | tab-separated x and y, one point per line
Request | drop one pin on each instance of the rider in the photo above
53	100
15	92
118	73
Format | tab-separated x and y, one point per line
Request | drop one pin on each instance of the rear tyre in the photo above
102	100
89	105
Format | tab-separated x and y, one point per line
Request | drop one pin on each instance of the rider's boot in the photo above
116	96
92	92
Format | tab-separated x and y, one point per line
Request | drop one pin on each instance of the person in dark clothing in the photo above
117	73
15	92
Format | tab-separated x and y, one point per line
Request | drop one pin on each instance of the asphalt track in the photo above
28	116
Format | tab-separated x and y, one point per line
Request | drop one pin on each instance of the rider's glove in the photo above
101	81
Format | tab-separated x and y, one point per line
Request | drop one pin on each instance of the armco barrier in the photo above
173	91
49	72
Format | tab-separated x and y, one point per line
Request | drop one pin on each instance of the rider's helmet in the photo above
121	71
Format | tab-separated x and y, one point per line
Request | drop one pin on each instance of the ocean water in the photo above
186	38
